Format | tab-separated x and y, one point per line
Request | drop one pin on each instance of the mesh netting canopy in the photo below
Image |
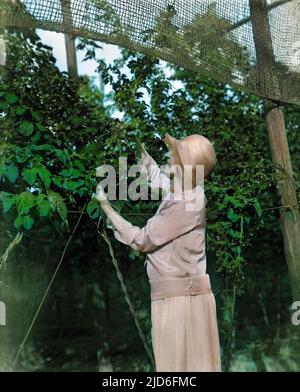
251	44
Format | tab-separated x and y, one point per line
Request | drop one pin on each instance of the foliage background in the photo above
54	132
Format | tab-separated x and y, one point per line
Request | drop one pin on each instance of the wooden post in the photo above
289	216
69	40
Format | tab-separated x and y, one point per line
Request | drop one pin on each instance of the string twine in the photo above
119	275
10	247
46	291
127	298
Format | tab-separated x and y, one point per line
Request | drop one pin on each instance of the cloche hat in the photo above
194	150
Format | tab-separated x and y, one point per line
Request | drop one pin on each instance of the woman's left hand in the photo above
101	196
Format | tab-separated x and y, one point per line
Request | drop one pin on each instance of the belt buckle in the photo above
190	286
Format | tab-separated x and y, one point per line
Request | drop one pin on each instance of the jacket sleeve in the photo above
171	222
156	178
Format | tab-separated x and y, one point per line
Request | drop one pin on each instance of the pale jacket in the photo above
174	238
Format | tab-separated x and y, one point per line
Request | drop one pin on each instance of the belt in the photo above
190	285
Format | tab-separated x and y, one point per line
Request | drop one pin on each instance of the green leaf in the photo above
237	250
257	207
73	185
12	173
36	116
61	155
8	200
72	173
77	121
3	169
20	110
134	254
29	175
18	221
25	201
232	216
57	182
57	204
23	220
26	128
226	135
234	234
44	208
54	198
40	127
62	210
83	191
40	197
42	147
11	98
21	155
78	164
28	221
93	208
226	315
44	175
236	202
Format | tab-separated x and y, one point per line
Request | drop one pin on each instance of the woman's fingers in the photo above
100	194
100	171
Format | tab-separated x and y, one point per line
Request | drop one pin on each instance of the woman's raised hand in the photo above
100	195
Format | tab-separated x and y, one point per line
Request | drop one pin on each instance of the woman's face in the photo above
173	167
174	158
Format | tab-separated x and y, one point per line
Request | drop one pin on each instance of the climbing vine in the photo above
56	131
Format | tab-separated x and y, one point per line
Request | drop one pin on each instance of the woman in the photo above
183	310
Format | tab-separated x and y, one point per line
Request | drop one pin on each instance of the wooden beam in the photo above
248	19
289	217
69	38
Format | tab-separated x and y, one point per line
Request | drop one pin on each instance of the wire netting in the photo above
215	37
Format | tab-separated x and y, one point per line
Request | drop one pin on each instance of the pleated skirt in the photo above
185	334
